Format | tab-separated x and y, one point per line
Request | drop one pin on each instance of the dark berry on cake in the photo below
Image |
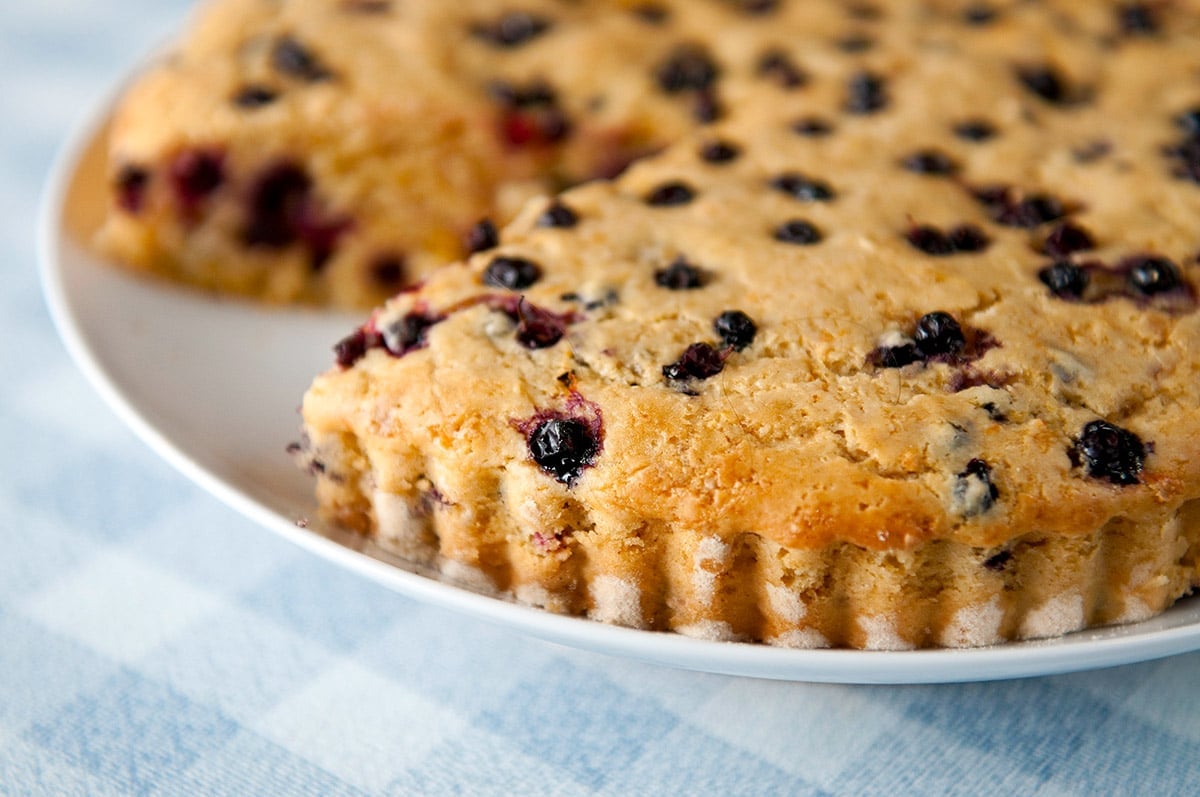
1067	238
320	235
194	174
530	114
930	240
994	412
805	189
698	361
1148	275
1045	82
1092	151
974	493
979	14
557	214
778	67
757	7
563	447
1031	212
719	152
408	332
855	43
366	6
968	238
670	194
280	211
929	161
866	93
250	97
512	29
939	333
1189	121
1137	18
351	348
933	241
1186	152
651	13
975	130
529	95
511	273
895	356
689	67
538	328
939	338
706	108
131	183
799	232
680	276
544	126
388	271
999	561
1109	452
276	203
812	127
1028	212
1187	156
293	59
1065	279
482	237
735	328
865	12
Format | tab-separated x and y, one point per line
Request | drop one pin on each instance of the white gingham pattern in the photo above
154	642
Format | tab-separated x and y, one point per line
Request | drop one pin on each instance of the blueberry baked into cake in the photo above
334	151
903	355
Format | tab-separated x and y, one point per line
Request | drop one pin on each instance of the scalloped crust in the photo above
748	588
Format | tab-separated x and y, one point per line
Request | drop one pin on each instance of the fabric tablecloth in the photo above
153	641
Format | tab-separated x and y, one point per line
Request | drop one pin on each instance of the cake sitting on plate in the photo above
906	356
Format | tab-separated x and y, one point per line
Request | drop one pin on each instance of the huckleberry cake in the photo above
900	351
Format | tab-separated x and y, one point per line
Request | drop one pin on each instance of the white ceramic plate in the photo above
213	385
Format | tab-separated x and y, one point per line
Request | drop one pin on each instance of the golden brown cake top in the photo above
964	273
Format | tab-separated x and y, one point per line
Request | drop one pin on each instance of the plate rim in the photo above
938	665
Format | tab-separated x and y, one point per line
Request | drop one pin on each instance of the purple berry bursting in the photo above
1109	452
563	447
698	361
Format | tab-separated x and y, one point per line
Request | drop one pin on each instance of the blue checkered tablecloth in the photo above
152	641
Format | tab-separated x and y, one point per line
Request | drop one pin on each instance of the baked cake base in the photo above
748	588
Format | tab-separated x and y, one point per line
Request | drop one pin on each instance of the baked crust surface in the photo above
968	409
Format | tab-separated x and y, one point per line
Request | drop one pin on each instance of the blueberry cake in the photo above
905	356
335	151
